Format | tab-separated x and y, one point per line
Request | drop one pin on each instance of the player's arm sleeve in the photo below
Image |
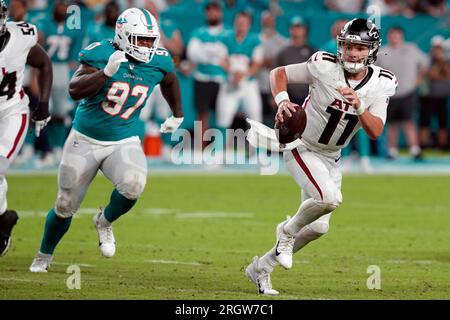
93	55
298	73
379	108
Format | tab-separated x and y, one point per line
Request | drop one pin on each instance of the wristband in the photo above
281	96
361	109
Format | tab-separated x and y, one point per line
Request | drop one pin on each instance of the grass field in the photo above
191	237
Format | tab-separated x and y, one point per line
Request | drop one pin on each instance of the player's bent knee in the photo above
332	199
64	206
132	185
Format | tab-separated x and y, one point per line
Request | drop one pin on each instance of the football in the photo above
292	127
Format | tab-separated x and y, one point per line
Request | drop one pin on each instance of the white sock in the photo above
305	236
105	223
393	152
414	150
268	261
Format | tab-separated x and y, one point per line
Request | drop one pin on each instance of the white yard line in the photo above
21	280
194	263
208	214
400	261
86	265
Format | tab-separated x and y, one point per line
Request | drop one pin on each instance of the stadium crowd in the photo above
224	51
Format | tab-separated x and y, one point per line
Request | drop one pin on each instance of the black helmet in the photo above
361	31
3	17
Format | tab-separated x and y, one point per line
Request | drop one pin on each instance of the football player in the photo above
245	57
115	79
18	46
346	92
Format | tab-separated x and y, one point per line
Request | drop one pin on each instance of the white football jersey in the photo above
331	120
13	58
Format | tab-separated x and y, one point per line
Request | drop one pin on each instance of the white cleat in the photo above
106	241
261	278
285	246
41	262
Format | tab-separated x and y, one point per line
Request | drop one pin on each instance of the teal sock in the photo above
118	205
55	228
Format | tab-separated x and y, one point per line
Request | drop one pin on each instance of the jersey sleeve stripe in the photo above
329	59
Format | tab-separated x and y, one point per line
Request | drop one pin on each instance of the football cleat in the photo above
41	262
260	277
106	241
284	247
7	221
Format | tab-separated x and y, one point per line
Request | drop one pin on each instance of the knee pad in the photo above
64	206
332	198
319	227
132	185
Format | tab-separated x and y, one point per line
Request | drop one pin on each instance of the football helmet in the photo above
360	31
3	17
134	24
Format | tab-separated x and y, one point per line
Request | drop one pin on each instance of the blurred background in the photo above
415	46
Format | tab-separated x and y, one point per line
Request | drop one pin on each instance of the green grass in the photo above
398	223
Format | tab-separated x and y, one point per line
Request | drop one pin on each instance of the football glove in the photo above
40	116
171	124
114	62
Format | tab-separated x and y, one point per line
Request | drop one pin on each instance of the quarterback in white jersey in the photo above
18	46
346	92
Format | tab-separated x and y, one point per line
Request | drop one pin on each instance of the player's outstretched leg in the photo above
55	228
117	206
315	176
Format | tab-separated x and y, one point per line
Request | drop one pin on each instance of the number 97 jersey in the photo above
113	113
13	57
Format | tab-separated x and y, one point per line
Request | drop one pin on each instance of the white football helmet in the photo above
134	24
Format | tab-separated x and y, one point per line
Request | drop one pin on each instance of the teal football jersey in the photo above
241	53
113	113
61	43
209	39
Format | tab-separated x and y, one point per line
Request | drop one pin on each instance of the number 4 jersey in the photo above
113	113
331	120
13	57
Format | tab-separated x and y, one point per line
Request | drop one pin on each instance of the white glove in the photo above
39	125
114	62
171	124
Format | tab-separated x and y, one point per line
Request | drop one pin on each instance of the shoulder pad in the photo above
321	63
387	81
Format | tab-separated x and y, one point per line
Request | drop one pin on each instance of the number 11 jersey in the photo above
331	119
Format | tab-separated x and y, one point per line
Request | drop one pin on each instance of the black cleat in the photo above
7	222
